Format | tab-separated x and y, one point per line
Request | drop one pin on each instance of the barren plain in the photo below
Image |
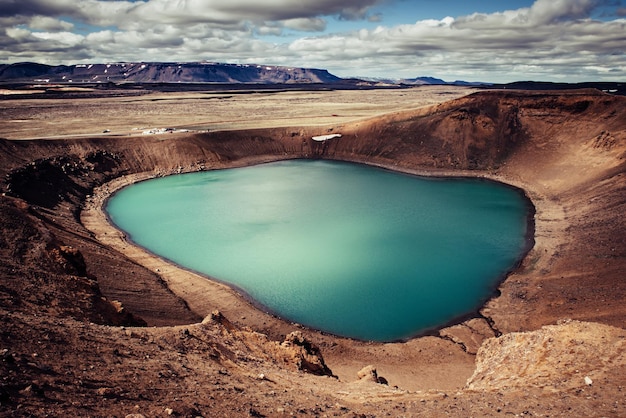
132	112
94	326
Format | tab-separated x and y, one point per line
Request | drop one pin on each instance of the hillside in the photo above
75	294
194	72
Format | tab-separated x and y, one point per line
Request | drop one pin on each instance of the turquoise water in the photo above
344	248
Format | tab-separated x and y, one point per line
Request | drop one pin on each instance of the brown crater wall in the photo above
565	149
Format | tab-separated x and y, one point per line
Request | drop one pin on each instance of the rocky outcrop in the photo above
304	354
470	334
296	351
570	355
42	274
370	374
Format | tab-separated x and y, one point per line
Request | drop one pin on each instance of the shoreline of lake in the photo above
194	287
416	195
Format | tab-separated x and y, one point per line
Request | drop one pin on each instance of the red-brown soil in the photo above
75	296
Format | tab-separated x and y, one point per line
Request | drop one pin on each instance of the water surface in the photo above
344	248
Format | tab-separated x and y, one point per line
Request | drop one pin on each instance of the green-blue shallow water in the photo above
344	248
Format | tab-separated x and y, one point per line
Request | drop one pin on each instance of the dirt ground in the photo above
131	114
75	296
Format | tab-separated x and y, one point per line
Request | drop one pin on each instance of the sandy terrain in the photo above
74	290
131	114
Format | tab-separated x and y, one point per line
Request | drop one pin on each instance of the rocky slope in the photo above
72	307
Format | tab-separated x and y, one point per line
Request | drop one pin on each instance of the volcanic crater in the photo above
95	326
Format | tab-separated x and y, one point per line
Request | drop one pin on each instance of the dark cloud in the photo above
233	12
288	9
37	7
306	24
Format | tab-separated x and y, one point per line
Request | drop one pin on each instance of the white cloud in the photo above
550	40
269	30
66	38
18	34
49	24
550	11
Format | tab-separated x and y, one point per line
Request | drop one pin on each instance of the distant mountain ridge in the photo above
163	72
192	72
422	81
188	74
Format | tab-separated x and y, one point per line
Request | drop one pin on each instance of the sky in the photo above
487	41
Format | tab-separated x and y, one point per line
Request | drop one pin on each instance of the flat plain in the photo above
132	112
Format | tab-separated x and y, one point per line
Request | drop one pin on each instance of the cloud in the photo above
550	11
542	12
18	34
163	29
288	9
306	24
376	17
19	44
277	28
49	24
37	7
225	12
551	39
